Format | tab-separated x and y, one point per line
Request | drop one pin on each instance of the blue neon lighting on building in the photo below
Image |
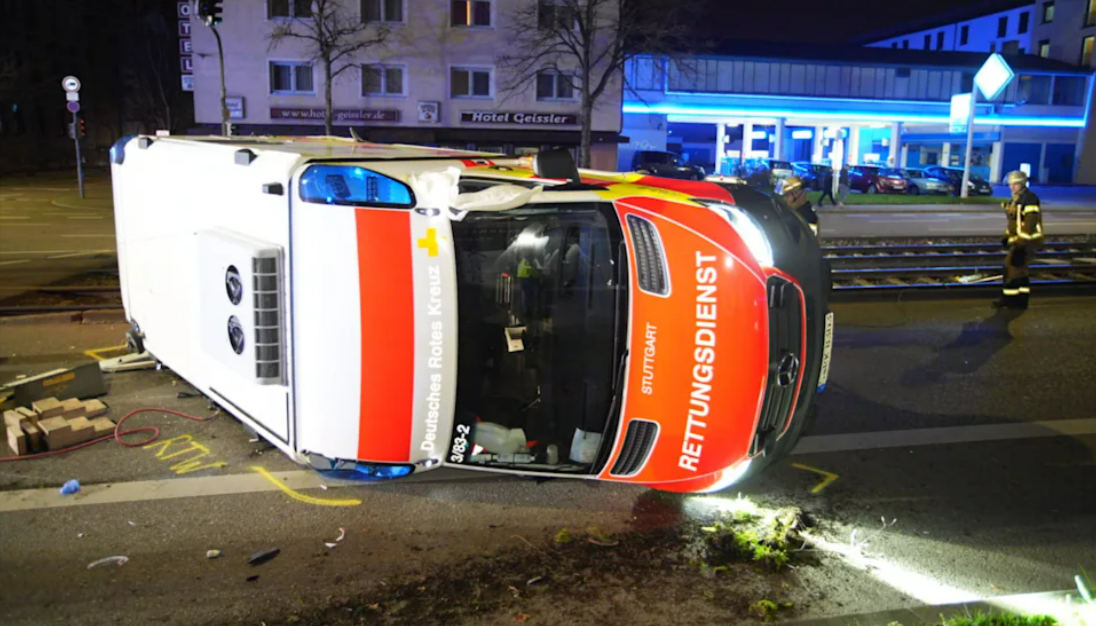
701	110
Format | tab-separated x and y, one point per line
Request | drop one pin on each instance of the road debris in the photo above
521	618
337	540
182	395
129	362
70	487
110	560
213	554
533	580
131	523
252	579
263	556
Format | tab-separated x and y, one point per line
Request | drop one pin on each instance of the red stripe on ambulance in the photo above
388	335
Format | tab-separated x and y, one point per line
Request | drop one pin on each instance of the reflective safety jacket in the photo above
1025	220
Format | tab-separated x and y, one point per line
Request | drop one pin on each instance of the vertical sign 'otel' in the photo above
186	47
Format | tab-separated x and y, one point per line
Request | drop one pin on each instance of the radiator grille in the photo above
651	270
268	318
785	360
638	443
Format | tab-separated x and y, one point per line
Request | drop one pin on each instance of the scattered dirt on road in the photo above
683	573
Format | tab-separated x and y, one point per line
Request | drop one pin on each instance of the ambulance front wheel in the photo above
135	343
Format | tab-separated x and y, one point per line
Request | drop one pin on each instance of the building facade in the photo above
1064	30
435	81
854	105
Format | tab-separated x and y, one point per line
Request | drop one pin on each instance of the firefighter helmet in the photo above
790	184
1017	177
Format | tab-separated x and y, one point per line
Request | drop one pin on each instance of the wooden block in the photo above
81	429
13	418
47	408
72	408
102	426
27	413
34	437
57	432
94	408
17	441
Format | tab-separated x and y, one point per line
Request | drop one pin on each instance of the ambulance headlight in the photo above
751	234
729	476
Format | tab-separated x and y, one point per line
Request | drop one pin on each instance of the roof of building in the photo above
898	57
945	18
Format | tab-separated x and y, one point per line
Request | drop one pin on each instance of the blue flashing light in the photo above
118	150
701	110
370	472
822	387
352	185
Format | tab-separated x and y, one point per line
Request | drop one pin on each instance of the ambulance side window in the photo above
353	186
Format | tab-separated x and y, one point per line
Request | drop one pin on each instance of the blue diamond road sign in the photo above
994	76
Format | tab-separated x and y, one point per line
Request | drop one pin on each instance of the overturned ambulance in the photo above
376	311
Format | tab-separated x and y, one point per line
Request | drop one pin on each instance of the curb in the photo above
1064	606
98	316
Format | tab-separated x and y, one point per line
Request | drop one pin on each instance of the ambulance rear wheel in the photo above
135	343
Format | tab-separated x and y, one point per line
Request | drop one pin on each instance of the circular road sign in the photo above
73	107
71	84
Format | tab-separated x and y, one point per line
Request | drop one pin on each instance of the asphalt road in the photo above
48	234
970	435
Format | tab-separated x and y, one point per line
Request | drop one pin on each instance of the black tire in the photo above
915	190
870	189
135	343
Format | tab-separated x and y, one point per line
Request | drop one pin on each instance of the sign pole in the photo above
970	144
225	127
79	160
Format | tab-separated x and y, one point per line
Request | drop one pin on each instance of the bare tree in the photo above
586	43
333	37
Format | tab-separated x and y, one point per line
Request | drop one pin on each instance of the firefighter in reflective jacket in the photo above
796	196
1022	239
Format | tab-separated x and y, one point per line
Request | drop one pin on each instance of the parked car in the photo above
666	165
977	185
812	174
891	180
920	183
863	178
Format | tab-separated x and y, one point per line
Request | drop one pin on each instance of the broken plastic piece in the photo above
342	535
213	554
330	545
185	394
263	556
110	560
70	487
142	361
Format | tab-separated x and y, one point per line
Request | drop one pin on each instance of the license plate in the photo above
827	349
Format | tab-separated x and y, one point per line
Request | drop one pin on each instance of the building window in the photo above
1025	17
966	82
1090	14
905	44
928	42
894	44
382	80
288	8
1002	26
1086	50
1044	48
465	82
553	85
1048	12
551	16
1033	89
647	73
1068	91
382	10
940	40
290	78
470	13
964	35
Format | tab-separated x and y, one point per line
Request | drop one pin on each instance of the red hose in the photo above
118	434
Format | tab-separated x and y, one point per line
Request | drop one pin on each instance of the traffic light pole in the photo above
79	159
970	143
226	129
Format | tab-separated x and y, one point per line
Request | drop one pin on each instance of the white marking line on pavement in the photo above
84	217
230	484
72	236
940	436
14	252
15	262
75	254
137	491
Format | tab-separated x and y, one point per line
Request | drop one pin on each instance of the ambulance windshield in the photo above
541	318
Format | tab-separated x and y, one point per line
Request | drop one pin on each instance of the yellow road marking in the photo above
828	477
95	353
300	497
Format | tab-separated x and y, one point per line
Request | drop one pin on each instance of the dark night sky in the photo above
815	21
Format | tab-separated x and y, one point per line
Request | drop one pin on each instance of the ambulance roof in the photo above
330	147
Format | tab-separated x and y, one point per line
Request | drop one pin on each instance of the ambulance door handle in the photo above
274	189
428	212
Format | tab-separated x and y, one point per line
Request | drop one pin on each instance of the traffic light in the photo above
83	125
210	11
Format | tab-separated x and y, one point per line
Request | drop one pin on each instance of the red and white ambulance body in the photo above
383	310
